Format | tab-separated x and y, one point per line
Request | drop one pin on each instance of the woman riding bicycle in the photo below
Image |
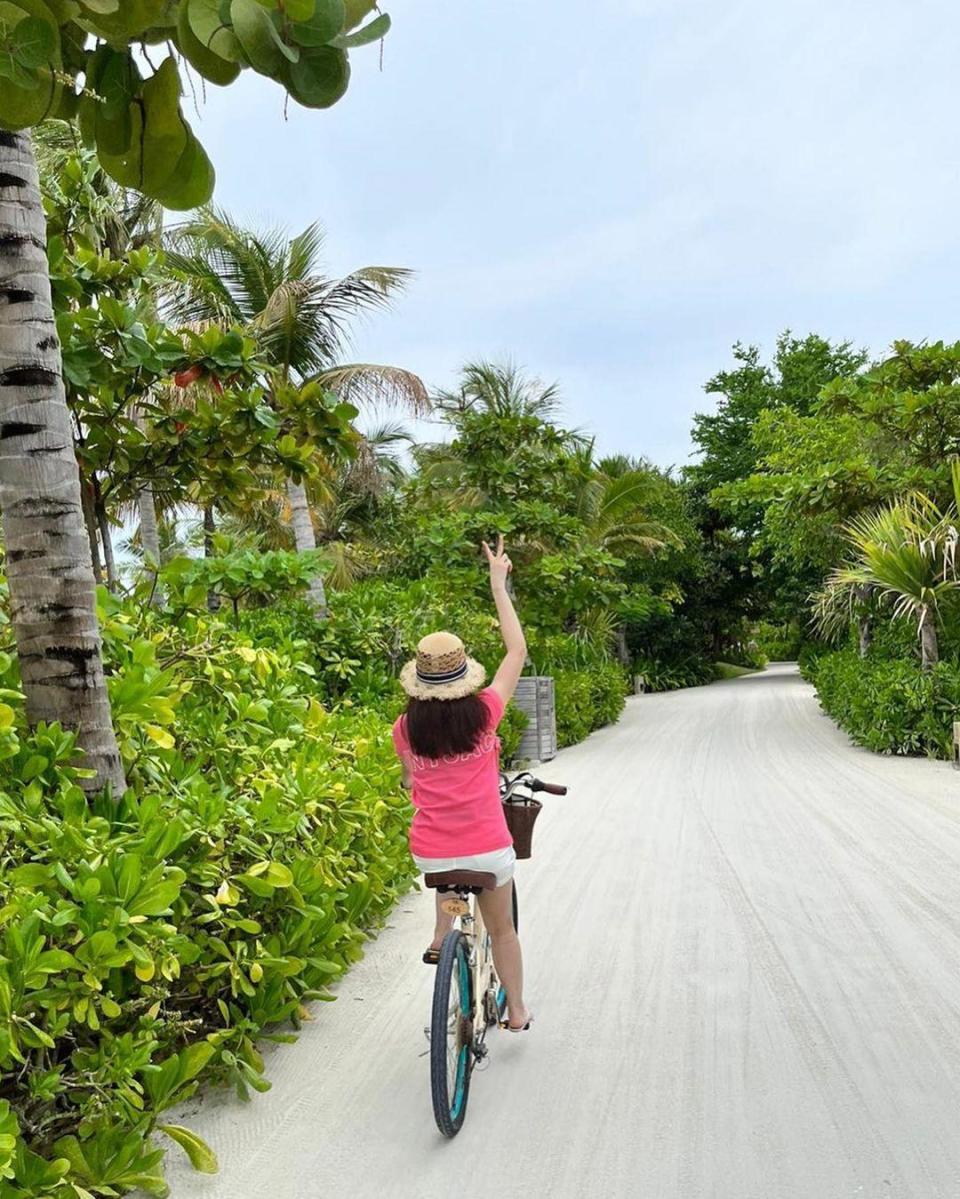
450	752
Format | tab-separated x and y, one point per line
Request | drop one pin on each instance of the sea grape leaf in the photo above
320	78
209	20
210	65
31	96
357	11
262	44
127	168
192	182
34	42
377	29
300	10
118	85
127	20
164	131
325	23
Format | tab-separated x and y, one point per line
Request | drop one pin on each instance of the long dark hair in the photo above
437	728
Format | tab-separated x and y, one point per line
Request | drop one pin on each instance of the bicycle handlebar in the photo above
527	780
550	788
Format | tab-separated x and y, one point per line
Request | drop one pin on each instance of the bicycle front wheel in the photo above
451	1035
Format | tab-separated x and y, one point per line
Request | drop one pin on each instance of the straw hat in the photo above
441	670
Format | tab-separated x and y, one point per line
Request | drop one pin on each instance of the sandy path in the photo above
743	951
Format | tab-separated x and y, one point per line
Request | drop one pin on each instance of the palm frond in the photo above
369	384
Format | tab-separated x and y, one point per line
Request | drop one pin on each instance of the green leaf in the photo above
23	103
192	182
265	50
278	875
357	11
209	64
322	26
201	1156
164	132
300	10
320	78
34	42
118	84
193	1059
373	32
209	24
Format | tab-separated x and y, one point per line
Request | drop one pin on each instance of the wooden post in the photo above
535	698
639	684
956	744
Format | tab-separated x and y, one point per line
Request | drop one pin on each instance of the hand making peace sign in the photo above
500	564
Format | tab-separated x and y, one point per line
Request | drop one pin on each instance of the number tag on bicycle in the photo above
454	906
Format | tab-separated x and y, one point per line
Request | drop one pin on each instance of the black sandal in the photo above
431	956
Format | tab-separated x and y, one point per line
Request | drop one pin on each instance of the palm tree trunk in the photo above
150	540
305	539
864	622
209	528
929	645
49	565
90	521
106	539
623	651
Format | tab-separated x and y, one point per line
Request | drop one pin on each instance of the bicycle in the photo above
468	999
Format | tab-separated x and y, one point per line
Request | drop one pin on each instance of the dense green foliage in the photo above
149	944
843	489
888	704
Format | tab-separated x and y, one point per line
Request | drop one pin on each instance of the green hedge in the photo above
670	676
886	705
587	700
148	945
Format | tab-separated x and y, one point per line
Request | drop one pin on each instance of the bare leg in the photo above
444	923
497	909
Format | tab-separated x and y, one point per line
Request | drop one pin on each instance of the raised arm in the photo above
510	669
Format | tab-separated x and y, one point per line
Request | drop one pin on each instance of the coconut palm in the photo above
502	389
48	561
612	503
905	554
302	317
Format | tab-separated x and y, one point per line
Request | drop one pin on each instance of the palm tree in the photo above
905	554
502	389
275	286
612	504
48	561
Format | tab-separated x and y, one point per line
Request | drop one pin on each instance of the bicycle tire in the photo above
453	972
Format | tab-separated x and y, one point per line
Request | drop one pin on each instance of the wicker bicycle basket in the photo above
521	816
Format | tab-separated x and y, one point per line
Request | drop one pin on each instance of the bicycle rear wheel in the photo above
451	1035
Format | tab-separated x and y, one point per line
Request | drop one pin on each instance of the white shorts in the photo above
499	862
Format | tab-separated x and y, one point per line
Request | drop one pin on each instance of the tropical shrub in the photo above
890	706
511	731
147	944
778	642
587	700
670	676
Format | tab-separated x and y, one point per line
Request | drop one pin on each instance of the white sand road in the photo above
743	951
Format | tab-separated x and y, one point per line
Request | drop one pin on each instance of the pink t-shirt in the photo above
457	799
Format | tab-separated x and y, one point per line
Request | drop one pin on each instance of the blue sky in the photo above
613	193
